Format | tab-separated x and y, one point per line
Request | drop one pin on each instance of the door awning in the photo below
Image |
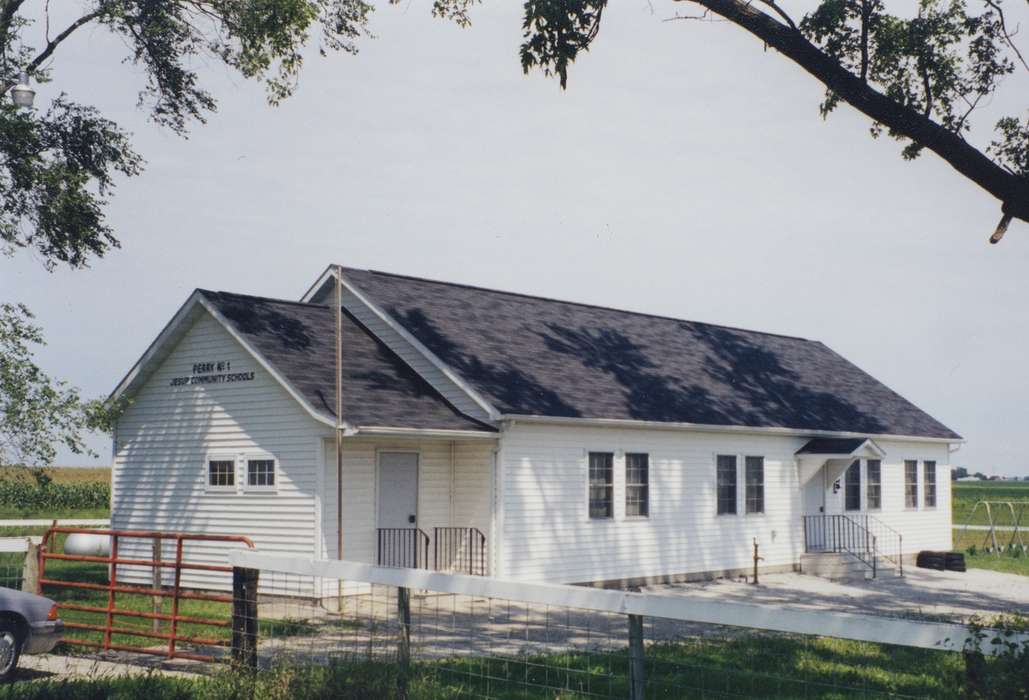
841	448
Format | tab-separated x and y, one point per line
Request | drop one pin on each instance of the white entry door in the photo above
398	490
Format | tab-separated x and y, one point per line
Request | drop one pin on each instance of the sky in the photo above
684	172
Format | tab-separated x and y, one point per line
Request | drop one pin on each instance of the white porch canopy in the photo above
834	452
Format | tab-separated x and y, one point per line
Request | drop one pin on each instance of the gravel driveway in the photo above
939	594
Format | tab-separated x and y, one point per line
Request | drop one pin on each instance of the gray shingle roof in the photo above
379	389
534	356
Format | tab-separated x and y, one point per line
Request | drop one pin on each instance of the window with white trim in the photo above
911	483
929	479
875	484
637	485
602	485
852	486
754	479
261	473
221	473
725	484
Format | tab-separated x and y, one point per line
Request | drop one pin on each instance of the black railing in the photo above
460	549
890	542
403	547
841	534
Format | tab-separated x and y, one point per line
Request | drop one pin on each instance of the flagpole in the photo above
339	423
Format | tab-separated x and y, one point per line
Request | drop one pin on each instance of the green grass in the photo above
9	513
1010	561
756	666
85	572
966	494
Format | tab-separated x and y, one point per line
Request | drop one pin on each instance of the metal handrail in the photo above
898	560
841	534
403	547
460	549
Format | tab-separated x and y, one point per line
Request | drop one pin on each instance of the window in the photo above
930	484
755	483
726	484
602	488
875	484
221	473
637	485
910	483
852	487
260	473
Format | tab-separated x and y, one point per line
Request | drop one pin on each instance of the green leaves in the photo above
555	31
38	413
941	62
47	496
55	172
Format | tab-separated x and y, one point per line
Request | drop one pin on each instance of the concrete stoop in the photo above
842	567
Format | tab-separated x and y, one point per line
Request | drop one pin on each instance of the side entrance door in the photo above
814	506
400	543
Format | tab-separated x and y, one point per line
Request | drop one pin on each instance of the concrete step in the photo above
834	566
844	567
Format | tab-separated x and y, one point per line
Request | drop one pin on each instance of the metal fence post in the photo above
157	576
637	677
244	617
404	642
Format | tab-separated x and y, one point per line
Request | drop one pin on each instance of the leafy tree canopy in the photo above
919	77
36	412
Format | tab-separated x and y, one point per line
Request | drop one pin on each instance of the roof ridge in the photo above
538	297
264	298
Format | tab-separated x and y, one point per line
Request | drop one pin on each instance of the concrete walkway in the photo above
54	666
948	595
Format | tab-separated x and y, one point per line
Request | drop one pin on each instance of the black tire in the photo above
11	642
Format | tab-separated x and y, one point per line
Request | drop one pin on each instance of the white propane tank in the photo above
88	544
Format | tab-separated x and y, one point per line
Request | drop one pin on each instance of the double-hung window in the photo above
875	484
221	474
930	483
726	484
754	479
602	486
260	473
637	485
910	483
852	486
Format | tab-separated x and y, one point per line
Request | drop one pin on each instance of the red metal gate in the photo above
113	587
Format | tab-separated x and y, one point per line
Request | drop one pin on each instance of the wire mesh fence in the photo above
420	642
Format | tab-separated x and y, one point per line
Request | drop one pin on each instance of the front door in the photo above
814	508
399	541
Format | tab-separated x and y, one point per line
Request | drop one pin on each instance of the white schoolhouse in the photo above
515	436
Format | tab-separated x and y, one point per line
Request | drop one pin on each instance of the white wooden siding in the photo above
547	534
921	527
454	489
159	469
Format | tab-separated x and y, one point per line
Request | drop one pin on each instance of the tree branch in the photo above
7	13
1007	35
782	13
52	45
1011	190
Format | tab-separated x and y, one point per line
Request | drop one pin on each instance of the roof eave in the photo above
703	427
388	431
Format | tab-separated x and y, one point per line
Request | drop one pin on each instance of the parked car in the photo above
28	625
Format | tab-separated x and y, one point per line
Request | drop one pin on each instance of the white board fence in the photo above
866	628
